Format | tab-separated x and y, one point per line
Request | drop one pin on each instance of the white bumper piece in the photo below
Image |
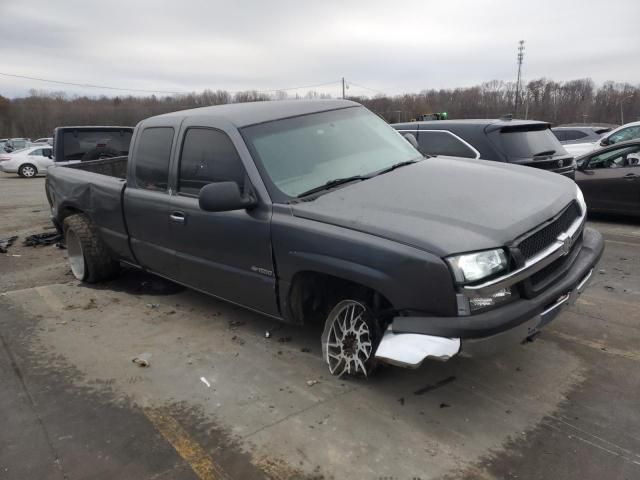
411	349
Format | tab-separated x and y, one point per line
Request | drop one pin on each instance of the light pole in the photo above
621	110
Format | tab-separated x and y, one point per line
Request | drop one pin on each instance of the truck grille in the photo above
546	236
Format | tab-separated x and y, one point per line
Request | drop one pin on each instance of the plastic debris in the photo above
205	381
38	239
311	383
267	334
153	305
5	243
142	360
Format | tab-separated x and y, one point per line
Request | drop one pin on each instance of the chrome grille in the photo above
547	235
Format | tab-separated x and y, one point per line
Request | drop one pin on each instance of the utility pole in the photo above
520	58
343	88
621	110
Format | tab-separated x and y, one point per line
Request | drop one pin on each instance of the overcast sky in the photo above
236	45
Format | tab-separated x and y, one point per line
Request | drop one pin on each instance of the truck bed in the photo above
113	167
96	189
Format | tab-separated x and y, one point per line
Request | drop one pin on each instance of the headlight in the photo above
580	198
475	266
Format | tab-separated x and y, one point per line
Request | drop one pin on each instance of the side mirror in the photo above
411	138
223	197
604	142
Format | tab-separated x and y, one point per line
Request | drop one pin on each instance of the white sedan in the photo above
27	162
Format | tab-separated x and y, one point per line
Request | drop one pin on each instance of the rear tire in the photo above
89	257
27	171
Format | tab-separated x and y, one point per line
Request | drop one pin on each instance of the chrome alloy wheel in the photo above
76	257
347	340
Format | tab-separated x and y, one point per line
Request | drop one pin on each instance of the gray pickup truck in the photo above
318	211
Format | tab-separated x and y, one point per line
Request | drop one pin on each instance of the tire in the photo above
27	170
89	257
350	338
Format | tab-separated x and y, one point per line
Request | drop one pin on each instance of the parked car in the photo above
521	142
84	143
3	143
318	211
610	178
48	140
571	135
629	131
14	144
27	162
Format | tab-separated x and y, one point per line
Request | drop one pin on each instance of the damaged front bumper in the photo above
410	340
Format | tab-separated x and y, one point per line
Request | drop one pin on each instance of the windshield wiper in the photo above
332	183
545	153
397	165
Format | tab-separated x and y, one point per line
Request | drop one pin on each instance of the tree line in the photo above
575	101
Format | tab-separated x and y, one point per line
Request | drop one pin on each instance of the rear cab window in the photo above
94	144
153	154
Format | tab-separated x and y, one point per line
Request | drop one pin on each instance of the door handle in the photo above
177	217
630	176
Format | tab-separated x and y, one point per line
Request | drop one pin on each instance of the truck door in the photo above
226	254
146	200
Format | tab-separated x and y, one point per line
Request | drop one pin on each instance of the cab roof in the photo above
251	113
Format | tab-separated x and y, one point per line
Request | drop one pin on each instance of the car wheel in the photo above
89	258
350	338
27	170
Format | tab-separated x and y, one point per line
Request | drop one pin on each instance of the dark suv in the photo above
523	142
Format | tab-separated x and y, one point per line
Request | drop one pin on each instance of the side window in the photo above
625	134
37	153
560	134
208	156
152	158
618	158
47	152
574	134
443	143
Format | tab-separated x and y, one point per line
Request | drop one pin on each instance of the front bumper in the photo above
489	331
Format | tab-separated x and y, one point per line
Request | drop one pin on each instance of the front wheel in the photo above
27	170
350	338
89	258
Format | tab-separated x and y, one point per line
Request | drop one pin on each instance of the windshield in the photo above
300	153
529	143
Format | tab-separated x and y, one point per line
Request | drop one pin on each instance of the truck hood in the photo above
446	205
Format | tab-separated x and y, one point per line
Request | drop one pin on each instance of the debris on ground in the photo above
235	323
42	239
90	304
311	383
305	350
267	334
237	339
142	360
602	271
401	400
438	384
5	243
609	287
284	339
153	305
444	405
205	381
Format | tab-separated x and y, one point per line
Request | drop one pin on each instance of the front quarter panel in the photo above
411	279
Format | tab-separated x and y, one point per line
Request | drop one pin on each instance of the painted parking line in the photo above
191	451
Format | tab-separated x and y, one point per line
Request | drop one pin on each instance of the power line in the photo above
108	87
367	88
